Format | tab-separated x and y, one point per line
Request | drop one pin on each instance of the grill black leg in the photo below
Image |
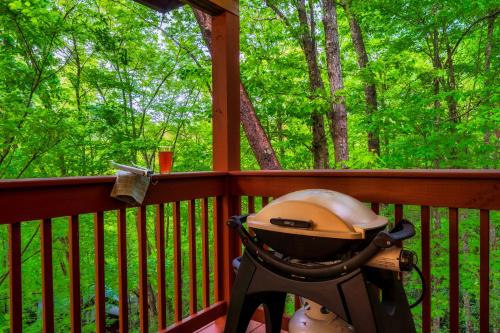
274	305
242	306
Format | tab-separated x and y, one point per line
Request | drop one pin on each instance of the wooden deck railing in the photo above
40	201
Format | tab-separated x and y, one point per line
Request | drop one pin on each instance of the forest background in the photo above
350	84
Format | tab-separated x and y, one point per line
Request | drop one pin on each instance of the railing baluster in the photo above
47	276
74	273
398	213
100	295
177	263
265	201
193	300
297	302
15	282
484	272
454	282
160	265
375	207
237	211
122	271
426	267
143	268
251	205
218	225
205	282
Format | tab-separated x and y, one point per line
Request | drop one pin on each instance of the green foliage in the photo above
86	82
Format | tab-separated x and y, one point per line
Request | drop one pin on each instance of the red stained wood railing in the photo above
47	276
426	267
218	249
100	288
177	263
143	268
122	271
48	199
484	271
193	299
160	266
15	285
74	273
398	213
205	271
251	205
454	273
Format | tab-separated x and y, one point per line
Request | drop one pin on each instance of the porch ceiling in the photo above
212	7
162	5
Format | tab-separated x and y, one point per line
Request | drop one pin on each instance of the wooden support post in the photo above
226	126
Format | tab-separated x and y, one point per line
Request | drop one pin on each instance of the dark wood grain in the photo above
454	271
251	205
74	274
193	299
426	267
15	282
143	268
450	188
100	283
205	254
218	226
484	272
198	320
160	266
26	200
47	276
122	271
177	263
225	92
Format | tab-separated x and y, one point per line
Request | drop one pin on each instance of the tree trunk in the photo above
436	64
309	47
453	115
370	89
452	102
487	65
338	115
259	142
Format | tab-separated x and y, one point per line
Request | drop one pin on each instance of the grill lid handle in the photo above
403	230
289	223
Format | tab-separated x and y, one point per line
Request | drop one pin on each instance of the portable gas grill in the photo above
330	249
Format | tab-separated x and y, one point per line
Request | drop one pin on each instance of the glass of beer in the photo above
165	156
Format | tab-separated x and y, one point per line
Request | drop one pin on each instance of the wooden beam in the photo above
226	131
472	189
31	199
226	92
216	7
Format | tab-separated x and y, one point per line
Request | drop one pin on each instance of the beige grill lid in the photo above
332	214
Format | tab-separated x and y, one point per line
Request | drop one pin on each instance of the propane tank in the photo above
314	318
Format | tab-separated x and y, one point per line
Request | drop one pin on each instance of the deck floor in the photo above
218	327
